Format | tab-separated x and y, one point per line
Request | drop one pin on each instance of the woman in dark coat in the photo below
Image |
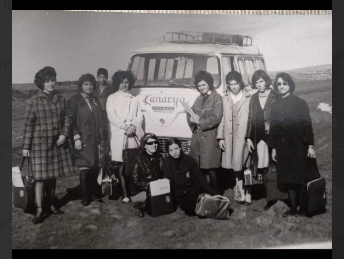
291	139
147	167
259	123
186	178
86	133
208	108
47	124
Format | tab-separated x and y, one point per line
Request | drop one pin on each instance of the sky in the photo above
75	43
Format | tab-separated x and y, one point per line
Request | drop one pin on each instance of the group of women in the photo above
271	124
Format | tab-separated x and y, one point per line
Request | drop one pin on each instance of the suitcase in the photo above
271	188
313	190
23	188
159	198
216	207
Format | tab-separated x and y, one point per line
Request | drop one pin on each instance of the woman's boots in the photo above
85	187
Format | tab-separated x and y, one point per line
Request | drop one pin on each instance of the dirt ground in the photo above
110	224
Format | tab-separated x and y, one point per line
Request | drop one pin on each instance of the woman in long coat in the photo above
232	131
87	136
259	123
208	109
47	124
126	117
291	139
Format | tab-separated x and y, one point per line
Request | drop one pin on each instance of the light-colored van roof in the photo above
204	48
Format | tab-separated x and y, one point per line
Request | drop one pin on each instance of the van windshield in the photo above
175	70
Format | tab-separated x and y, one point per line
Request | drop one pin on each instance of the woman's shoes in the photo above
125	200
248	202
38	218
290	212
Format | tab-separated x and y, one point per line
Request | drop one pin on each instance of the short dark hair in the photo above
172	141
86	78
207	77
260	74
119	76
234	75
145	139
43	75
286	78
102	71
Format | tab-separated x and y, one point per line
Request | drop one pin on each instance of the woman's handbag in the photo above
248	181
108	176
23	186
271	186
216	207
159	199
129	155
313	190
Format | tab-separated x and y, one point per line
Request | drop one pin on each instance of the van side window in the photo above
243	71
137	68
260	64
213	69
249	68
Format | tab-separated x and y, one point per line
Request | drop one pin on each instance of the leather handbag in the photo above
248	181
273	193
129	156
216	207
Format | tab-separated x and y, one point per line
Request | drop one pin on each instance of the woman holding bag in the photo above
47	124
126	117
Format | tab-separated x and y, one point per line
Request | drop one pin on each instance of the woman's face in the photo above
282	86
234	87
49	84
124	85
87	87
151	146
261	85
174	150
203	87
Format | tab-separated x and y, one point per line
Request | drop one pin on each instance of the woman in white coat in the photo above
126	117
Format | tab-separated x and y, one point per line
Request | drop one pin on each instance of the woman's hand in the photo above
130	131
222	144
311	152
26	153
250	146
78	144
61	140
195	120
273	155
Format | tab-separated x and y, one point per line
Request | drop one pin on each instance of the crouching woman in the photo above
186	178
147	167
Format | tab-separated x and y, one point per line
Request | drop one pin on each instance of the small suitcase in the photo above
23	187
159	198
216	207
313	190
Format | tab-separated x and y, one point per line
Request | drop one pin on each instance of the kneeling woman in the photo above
146	168
187	180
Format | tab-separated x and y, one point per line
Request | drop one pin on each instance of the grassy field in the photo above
112	224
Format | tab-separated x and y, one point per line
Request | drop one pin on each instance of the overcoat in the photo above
205	148
44	122
291	133
236	150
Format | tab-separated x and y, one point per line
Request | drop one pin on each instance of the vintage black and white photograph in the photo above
171	131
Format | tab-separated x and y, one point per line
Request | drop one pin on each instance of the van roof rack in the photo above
207	37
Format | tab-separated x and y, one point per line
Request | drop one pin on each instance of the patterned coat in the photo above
205	148
44	122
290	134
